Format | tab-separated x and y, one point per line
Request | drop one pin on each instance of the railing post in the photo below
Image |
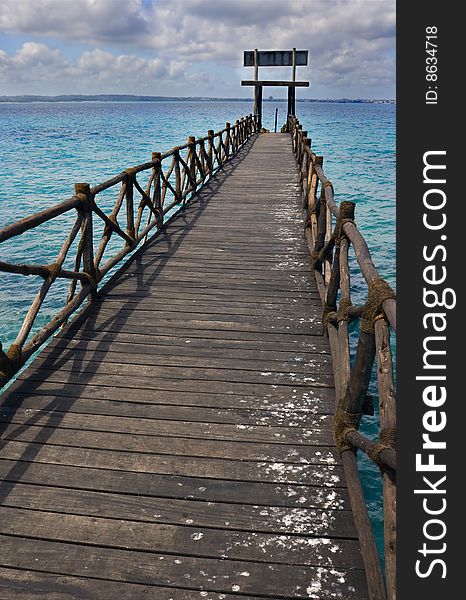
318	160
237	135
345	302
309	175
305	167
176	156
202	159
227	139
387	412
157	197
83	191
129	195
301	149
210	135
321	225
355	395
192	162
328	235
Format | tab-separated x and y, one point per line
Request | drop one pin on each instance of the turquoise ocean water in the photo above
46	147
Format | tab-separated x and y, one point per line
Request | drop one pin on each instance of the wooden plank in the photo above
308	325
213	339
268	83
32	585
240	408
156	485
185	303
183	540
193	379
312	430
329	476
83	351
150	444
289	414
164	384
238	270
222	576
270	356
187	513
194	306
198	288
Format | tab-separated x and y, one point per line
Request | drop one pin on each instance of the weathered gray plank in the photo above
184	540
272	409
174	486
224	576
192	513
313	429
31	585
280	473
59	434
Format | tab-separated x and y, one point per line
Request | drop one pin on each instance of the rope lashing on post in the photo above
343	310
131	171
318	256
328	309
11	360
345	215
387	441
378	291
326	184
308	222
344	423
52	272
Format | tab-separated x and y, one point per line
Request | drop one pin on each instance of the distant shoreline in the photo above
132	98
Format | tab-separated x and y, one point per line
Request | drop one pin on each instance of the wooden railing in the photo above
144	206
331	232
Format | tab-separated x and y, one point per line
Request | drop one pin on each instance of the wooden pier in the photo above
176	439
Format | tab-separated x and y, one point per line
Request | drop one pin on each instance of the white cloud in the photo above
95	71
85	20
175	42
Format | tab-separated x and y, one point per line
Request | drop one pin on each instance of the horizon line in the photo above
149	97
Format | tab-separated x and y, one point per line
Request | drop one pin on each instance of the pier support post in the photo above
258	105
291	100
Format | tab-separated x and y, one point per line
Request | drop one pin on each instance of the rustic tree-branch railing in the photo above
147	206
330	232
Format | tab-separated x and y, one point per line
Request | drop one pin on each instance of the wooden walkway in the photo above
176	440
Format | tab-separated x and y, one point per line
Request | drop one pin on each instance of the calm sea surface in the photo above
45	148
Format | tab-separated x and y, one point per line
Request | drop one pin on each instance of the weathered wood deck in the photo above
176	440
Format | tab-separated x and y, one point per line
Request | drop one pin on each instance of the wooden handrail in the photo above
331	232
165	192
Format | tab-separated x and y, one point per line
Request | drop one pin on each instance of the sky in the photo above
194	47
